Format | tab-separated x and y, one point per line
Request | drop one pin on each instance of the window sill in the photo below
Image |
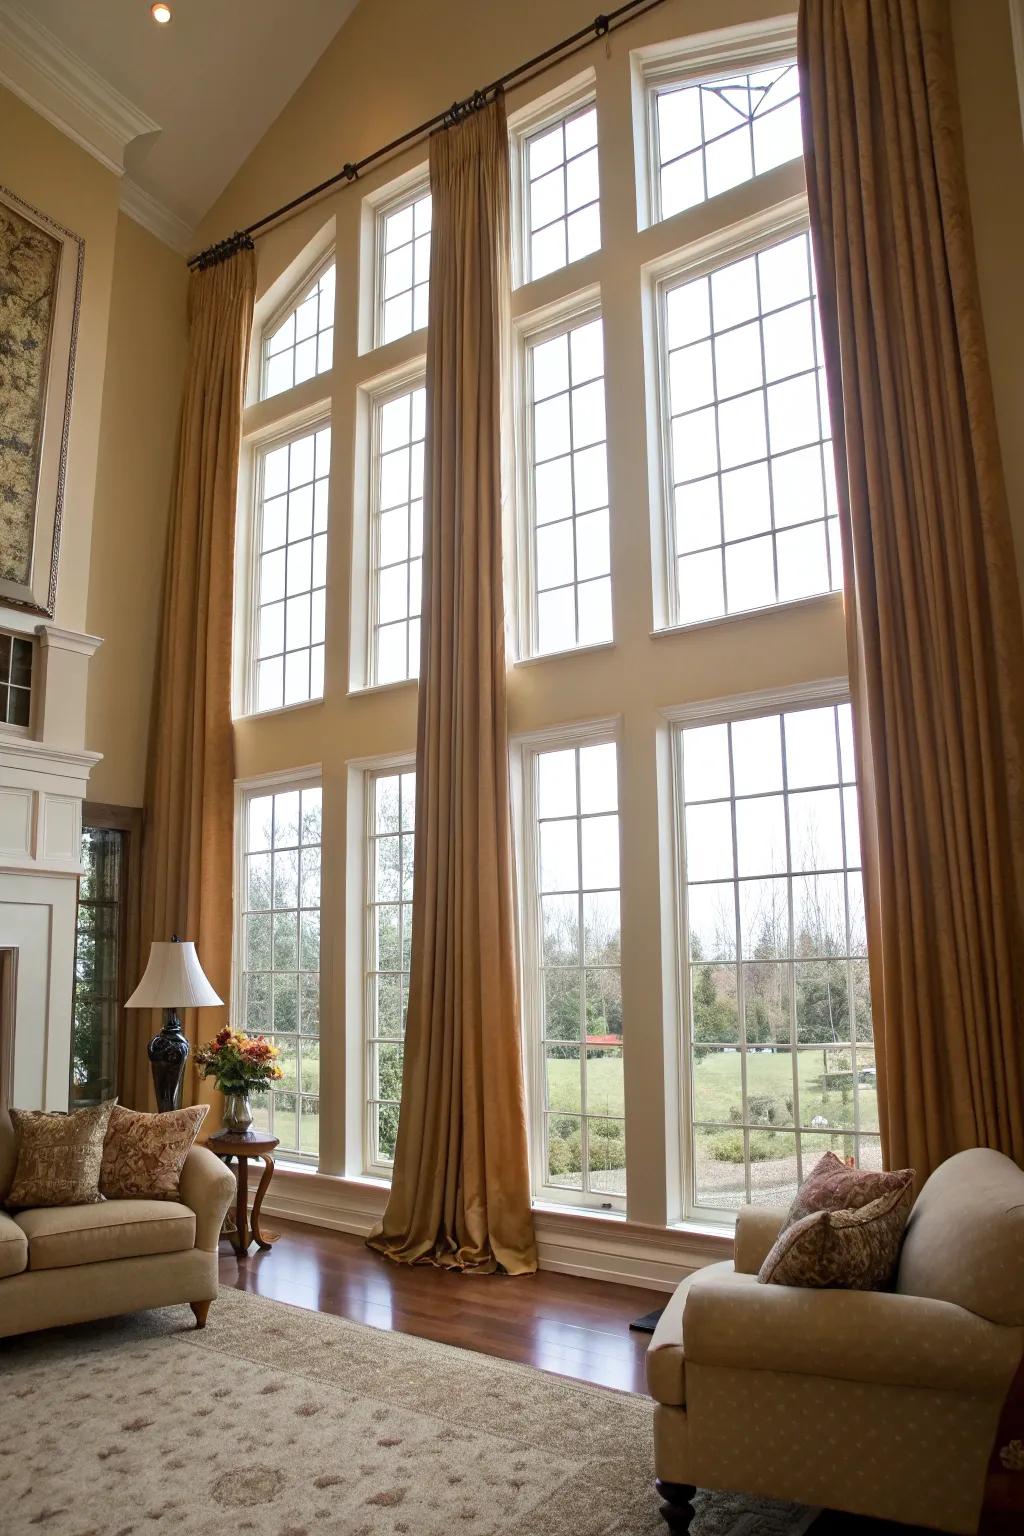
283	709
693	1228
798	605
367	688
584	1212
572	650
286	1165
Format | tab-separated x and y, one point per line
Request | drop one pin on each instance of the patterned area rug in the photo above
281	1422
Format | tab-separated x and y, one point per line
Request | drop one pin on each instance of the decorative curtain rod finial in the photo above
241	240
460	110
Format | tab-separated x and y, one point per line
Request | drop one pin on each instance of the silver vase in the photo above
237	1113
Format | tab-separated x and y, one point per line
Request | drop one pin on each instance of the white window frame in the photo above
248	559
525	752
410	193
308	777
769	227
402	383
10	727
532	331
733	50
312	276
371	1167
820	694
564	101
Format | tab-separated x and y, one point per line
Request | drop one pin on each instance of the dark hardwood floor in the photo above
560	1323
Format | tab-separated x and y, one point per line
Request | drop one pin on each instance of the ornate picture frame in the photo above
41	267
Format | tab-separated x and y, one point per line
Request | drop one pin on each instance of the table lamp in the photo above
173	979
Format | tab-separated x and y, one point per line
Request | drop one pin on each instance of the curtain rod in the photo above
600	27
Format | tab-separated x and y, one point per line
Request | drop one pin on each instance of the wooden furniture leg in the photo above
201	1310
676	1510
242	1237
264	1239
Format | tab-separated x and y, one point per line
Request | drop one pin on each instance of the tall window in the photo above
710	135
573	949
397	535
403	268
301	344
99	959
782	1066
568	487
750	458
562	197
290	571
279	954
391	810
15	680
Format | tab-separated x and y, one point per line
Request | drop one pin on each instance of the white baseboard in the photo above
600	1248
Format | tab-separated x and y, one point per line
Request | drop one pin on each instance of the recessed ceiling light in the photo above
161	13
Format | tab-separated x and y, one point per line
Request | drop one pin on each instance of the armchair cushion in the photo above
833	1185
61	1236
854	1249
865	1336
143	1154
13	1247
59	1156
965	1238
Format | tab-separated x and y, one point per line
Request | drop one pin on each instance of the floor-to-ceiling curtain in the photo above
188	838
460	1196
932	603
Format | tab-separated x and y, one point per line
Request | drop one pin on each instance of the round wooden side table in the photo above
228	1145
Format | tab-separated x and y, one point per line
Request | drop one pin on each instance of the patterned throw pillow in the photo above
851	1250
833	1185
144	1154
59	1156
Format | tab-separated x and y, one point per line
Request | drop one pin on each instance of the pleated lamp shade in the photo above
173	979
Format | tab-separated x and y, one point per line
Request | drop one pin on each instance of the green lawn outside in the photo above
717	1087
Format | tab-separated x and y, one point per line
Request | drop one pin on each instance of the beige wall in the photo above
138	442
48	170
125	408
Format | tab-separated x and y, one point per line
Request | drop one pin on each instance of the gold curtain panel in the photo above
932	605
461	1190
188	844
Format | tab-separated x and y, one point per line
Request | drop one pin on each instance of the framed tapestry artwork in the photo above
40	297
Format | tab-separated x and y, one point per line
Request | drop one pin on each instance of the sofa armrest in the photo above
207	1187
756	1231
867	1336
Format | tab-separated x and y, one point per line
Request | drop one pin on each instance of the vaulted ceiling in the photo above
207	86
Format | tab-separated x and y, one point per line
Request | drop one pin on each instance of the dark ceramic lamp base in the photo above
168	1052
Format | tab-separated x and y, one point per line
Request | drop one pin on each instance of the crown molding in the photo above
53	638
155	216
61	87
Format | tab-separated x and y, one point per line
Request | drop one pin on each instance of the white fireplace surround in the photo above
44	771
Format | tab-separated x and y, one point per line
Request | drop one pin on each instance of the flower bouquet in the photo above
238	1063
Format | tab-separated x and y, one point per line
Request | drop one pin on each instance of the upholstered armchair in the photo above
882	1404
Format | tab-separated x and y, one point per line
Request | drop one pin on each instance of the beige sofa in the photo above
880	1404
69	1264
